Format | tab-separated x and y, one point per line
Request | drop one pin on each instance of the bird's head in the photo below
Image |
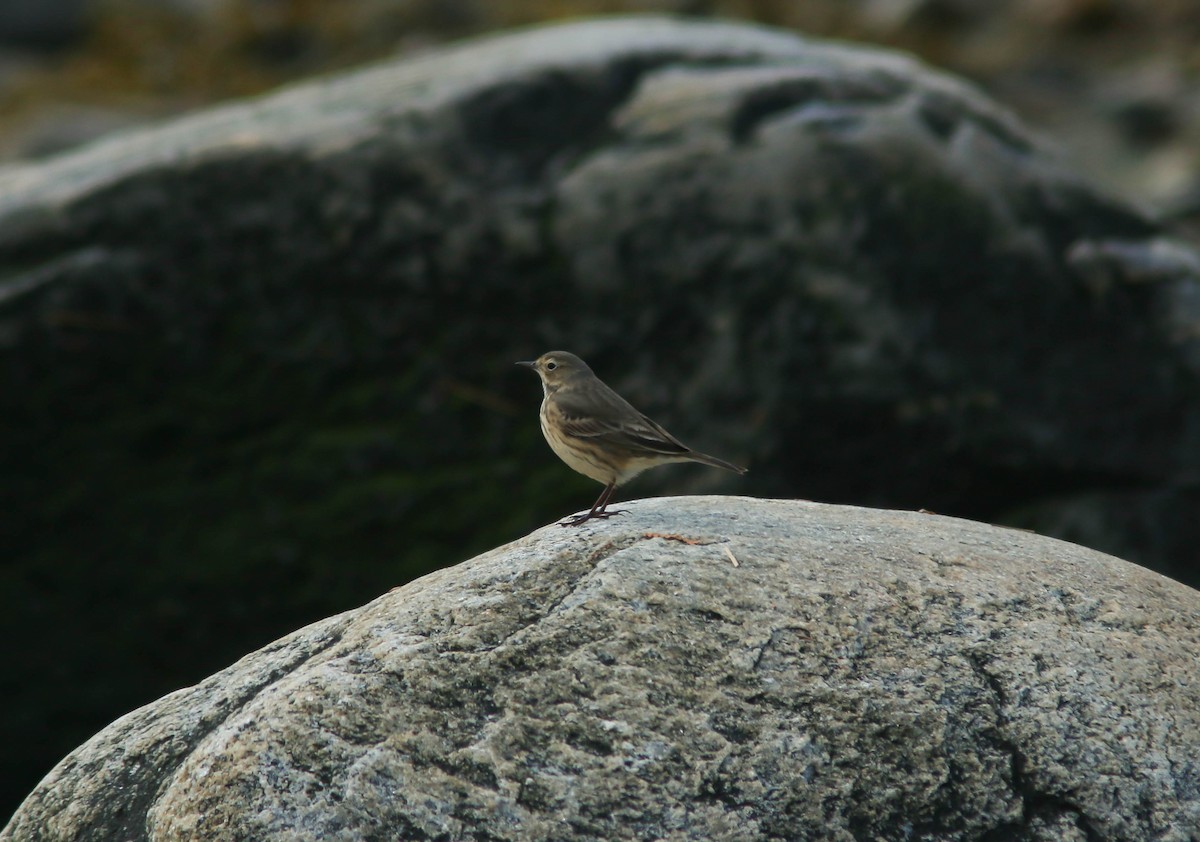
557	368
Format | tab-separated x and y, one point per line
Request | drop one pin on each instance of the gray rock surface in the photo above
245	346
702	668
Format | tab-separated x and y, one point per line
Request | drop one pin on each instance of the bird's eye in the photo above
551	365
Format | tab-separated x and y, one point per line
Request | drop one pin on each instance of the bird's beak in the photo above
528	363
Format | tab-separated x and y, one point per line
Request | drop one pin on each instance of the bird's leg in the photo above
605	498
601	501
598	508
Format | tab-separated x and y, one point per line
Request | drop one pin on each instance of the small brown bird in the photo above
599	434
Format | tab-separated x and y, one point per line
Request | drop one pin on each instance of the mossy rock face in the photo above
256	364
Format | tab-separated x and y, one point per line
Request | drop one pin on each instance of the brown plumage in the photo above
599	434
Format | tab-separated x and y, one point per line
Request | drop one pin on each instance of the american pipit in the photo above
599	434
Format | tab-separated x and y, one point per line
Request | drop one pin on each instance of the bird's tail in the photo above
704	458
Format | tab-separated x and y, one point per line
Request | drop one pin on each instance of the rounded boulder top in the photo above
698	668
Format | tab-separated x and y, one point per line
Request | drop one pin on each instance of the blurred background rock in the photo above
1113	81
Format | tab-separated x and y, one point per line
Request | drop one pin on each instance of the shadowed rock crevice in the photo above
1038	808
829	93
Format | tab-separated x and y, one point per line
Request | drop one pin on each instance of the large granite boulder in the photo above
703	668
245	347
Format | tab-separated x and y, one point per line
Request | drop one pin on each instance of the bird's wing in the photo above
600	414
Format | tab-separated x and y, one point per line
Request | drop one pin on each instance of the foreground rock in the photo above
854	674
245	346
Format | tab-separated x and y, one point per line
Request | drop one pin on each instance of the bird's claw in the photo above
576	520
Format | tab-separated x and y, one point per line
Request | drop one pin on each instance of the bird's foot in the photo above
576	520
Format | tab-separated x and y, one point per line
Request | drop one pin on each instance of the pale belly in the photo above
591	465
599	466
